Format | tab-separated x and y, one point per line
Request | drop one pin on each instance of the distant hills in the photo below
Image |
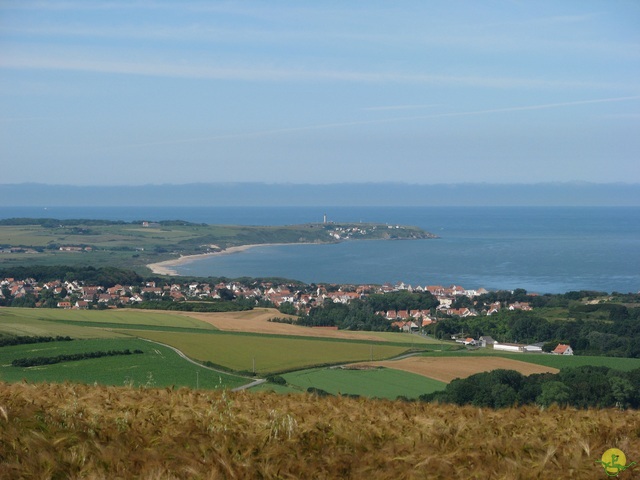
340	194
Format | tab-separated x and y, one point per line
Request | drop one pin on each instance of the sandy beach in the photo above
165	268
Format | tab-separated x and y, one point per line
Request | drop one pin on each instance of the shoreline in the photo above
165	267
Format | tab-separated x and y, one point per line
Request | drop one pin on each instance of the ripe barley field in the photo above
78	431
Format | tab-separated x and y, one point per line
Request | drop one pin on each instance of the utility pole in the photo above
197	380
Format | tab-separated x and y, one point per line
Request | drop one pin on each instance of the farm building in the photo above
563	349
508	347
486	341
533	349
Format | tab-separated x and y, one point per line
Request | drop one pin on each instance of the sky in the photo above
109	92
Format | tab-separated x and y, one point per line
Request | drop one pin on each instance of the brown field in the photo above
446	369
50	431
257	321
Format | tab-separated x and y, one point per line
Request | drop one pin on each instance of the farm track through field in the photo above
255	382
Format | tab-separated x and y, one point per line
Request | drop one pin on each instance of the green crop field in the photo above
548	360
30	322
158	366
90	323
562	361
376	382
270	353
117	316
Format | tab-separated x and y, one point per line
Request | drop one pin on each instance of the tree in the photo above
287	308
226	294
554	392
622	391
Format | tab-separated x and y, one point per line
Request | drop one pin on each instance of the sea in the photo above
539	249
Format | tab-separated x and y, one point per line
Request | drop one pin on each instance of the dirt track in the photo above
446	369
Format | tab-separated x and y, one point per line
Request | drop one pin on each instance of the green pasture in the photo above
269	353
547	360
377	382
158	366
113	316
97	258
568	361
25	235
13	322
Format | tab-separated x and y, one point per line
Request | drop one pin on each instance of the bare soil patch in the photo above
257	321
446	369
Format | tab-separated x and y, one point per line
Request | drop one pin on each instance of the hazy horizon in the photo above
337	194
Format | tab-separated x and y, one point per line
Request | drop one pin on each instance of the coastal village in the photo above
79	296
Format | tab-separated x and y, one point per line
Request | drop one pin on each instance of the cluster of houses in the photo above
74	294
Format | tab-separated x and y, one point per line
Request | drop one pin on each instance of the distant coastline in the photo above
166	267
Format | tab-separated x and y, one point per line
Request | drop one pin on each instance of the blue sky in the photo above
153	92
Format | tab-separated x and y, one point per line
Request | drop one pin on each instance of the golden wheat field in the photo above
51	431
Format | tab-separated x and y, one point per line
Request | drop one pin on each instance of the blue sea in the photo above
540	249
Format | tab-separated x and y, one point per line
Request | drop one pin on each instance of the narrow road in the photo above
257	381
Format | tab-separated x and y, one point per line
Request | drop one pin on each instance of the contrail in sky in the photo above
278	131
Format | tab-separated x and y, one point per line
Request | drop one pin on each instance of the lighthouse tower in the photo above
324	218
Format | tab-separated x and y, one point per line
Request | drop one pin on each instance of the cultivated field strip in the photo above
446	369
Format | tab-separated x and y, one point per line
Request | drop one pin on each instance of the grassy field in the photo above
78	431
262	353
554	361
373	382
91	323
158	366
561	361
152	318
33	322
237	351
270	354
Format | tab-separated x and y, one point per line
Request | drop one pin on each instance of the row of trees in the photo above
6	341
581	387
37	361
105	276
238	305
